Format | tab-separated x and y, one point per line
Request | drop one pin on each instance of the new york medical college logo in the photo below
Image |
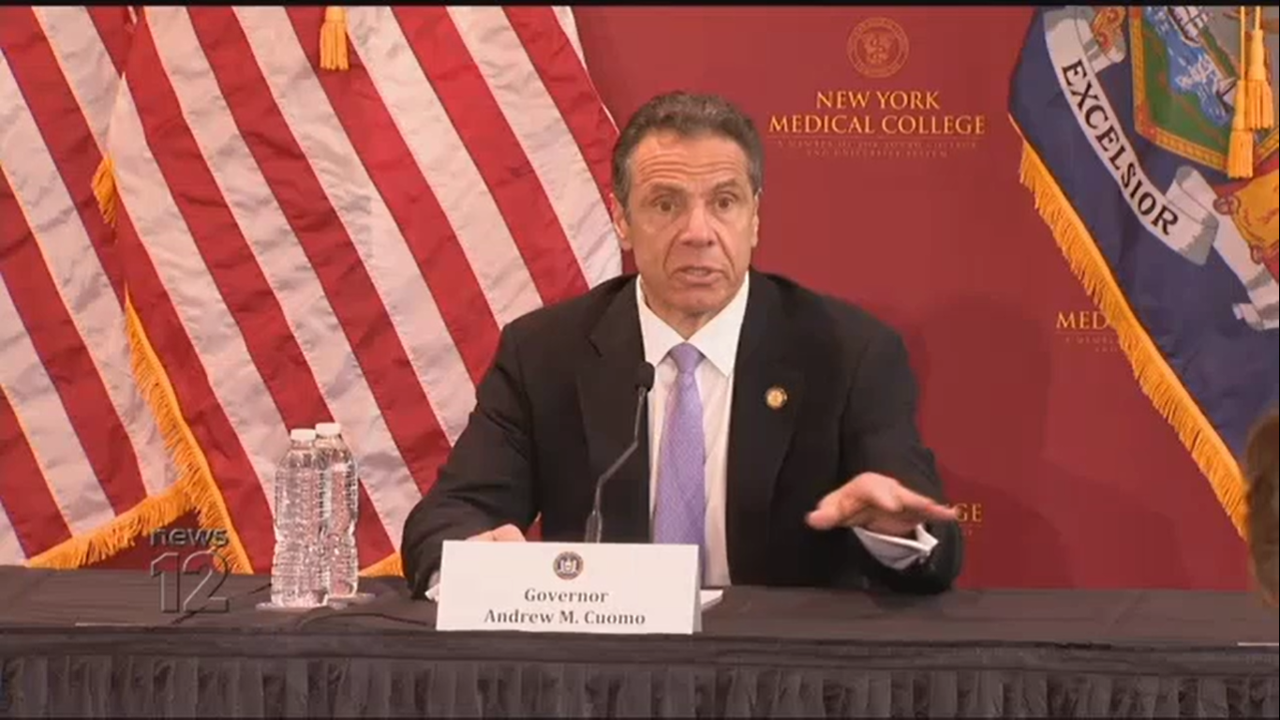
567	565
865	116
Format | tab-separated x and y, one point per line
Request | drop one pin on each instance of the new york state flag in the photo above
1126	114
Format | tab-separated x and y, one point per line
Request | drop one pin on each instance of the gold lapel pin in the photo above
775	397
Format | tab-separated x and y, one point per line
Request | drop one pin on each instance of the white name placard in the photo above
569	587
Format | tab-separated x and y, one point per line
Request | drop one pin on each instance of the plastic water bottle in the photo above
341	566
295	570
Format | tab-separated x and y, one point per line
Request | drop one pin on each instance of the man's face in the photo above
691	221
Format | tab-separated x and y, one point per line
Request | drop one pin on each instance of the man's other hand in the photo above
877	503
506	533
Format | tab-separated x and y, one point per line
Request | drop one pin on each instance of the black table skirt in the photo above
764	653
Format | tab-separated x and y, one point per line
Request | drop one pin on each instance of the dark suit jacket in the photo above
558	407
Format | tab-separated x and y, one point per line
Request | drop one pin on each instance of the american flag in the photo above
218	224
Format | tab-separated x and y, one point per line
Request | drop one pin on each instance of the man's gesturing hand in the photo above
877	503
506	533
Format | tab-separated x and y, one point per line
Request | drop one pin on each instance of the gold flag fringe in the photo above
1152	371
387	566
193	489
104	190
194	478
118	535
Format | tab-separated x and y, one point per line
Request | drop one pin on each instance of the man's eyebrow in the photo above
662	187
731	184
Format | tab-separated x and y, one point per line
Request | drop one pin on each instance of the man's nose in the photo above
698	230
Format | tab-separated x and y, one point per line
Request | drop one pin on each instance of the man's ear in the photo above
620	225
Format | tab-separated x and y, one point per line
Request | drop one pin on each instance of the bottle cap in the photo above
302	435
329	429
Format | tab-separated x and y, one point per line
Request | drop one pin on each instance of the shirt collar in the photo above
717	340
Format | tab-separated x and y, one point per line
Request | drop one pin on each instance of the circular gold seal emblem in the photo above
878	47
568	565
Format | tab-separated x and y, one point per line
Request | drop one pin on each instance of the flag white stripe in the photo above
214	334
445	163
382	248
44	421
569	24
81	283
543	135
85	63
10	550
293	281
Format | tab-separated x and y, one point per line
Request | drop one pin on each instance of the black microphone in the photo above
644	383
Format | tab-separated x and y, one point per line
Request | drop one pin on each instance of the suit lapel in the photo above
759	431
607	398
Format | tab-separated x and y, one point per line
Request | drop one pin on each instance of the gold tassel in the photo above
333	39
104	189
1260	104
1240	149
1240	152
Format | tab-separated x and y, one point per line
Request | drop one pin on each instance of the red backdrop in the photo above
1067	475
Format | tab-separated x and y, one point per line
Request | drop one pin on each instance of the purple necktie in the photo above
680	507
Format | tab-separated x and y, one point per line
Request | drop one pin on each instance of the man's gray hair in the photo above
687	114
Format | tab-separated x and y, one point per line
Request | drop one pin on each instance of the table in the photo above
95	642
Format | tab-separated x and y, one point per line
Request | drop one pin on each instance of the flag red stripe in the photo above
497	153
63	126
66	359
250	515
115	29
417	212
24	492
566	80
373	543
331	252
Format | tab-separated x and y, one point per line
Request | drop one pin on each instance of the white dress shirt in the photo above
718	343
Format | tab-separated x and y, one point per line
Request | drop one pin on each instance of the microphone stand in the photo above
595	522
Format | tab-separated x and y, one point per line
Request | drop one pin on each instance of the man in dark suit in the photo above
779	434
